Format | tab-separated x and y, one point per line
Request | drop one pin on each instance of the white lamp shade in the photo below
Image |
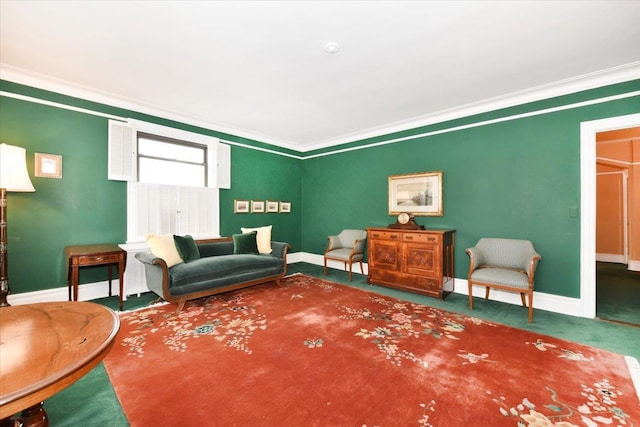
13	169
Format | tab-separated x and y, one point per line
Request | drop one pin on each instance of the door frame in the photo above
588	131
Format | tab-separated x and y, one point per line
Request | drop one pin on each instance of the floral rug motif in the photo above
225	318
317	353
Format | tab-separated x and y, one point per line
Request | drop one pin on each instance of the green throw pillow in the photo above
187	248
245	243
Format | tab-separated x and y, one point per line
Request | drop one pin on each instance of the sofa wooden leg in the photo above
486	293
180	306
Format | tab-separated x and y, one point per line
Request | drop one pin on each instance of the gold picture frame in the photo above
240	206
48	165
418	194
257	206
272	206
285	207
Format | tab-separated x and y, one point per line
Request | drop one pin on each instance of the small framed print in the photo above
48	165
285	207
257	206
240	206
272	206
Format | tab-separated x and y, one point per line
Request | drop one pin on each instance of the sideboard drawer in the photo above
434	239
386	235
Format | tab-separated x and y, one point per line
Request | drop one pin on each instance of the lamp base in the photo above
4	281
4	293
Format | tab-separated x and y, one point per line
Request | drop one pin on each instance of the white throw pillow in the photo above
263	238
163	246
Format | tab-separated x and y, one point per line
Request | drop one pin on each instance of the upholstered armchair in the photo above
506	264
347	247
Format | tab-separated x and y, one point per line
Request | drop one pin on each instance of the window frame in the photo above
149	136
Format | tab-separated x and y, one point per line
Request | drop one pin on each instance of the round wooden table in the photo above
46	347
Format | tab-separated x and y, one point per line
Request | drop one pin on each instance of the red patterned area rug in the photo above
317	353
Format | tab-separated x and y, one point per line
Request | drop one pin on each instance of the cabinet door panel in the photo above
384	255
422	259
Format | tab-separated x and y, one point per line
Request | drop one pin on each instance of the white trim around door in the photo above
588	131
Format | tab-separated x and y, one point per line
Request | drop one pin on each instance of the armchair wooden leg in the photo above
325	266
470	295
524	300
350	268
361	268
530	307
486	293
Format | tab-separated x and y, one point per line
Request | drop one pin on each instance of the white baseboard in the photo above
86	292
633	265
618	259
542	301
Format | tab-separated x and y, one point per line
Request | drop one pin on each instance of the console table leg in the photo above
110	274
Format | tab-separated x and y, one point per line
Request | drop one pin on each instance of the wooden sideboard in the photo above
419	261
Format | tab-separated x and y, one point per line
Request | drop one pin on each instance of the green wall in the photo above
256	175
514	179
518	178
85	207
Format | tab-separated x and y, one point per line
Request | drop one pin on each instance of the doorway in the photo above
617	287
588	135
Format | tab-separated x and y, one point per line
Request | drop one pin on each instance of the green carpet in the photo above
617	293
91	401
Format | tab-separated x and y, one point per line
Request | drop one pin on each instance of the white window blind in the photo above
170	209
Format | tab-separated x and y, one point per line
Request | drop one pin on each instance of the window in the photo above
169	161
173	179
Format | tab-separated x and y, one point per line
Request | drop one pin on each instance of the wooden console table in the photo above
46	347
419	261
91	255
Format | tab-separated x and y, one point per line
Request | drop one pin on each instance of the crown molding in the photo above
64	87
593	80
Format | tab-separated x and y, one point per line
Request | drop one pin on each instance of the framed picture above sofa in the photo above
285	207
272	206
257	206
240	206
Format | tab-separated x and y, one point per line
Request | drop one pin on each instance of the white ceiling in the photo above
258	69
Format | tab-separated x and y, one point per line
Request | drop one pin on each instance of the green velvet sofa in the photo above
217	270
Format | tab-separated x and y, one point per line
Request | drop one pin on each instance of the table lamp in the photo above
13	177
